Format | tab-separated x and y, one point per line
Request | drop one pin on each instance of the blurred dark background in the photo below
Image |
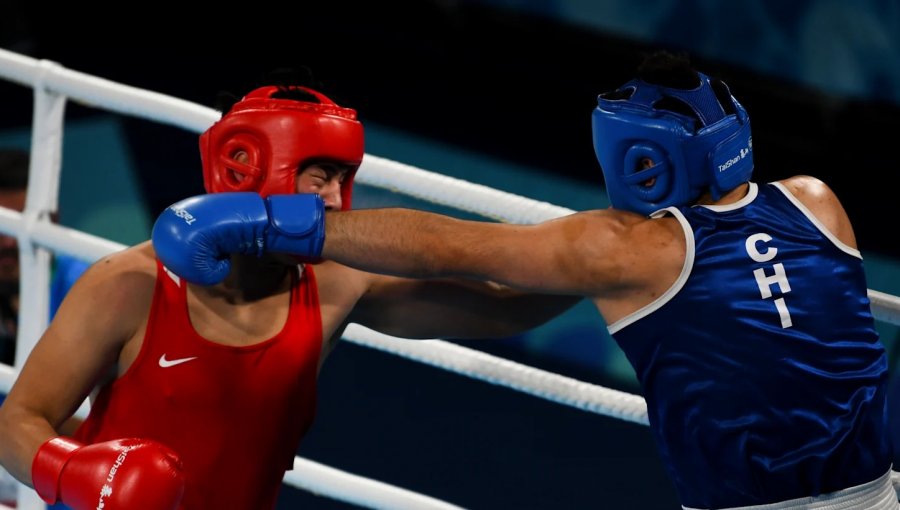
514	81
517	79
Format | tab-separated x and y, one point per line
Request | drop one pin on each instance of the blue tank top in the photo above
764	377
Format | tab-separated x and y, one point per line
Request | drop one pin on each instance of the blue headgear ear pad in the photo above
710	149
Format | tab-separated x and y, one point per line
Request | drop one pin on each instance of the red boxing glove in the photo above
125	473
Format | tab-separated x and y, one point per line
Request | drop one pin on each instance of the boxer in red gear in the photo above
225	375
175	371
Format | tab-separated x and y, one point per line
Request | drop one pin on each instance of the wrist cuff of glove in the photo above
296	224
48	464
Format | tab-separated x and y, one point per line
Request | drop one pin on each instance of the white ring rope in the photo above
318	479
456	193
375	171
483	366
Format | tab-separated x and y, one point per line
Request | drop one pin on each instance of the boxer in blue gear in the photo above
742	307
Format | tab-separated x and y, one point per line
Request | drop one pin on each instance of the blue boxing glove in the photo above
194	238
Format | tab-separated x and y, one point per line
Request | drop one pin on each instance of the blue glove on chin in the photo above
194	238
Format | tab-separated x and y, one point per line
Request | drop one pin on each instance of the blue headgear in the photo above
690	155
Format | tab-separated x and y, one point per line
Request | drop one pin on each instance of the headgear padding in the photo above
280	138
712	149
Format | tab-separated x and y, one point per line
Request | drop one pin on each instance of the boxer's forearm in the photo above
405	242
561	256
22	435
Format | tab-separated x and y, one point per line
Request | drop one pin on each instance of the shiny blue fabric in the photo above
744	410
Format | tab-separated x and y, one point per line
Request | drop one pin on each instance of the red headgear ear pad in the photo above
247	175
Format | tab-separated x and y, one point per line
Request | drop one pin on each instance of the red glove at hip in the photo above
125	473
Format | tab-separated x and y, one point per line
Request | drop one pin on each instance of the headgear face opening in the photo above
279	137
712	148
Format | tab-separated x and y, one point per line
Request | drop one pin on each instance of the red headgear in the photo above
280	137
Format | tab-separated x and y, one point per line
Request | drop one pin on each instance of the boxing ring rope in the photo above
53	85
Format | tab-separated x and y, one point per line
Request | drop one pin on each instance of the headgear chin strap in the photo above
713	150
280	137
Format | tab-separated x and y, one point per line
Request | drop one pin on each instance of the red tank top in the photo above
234	415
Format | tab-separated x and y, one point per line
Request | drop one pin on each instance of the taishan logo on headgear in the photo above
743	154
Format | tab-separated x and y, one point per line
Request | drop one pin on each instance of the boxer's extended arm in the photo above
102	311
453	308
584	254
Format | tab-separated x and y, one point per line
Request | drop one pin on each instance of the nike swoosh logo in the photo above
166	363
